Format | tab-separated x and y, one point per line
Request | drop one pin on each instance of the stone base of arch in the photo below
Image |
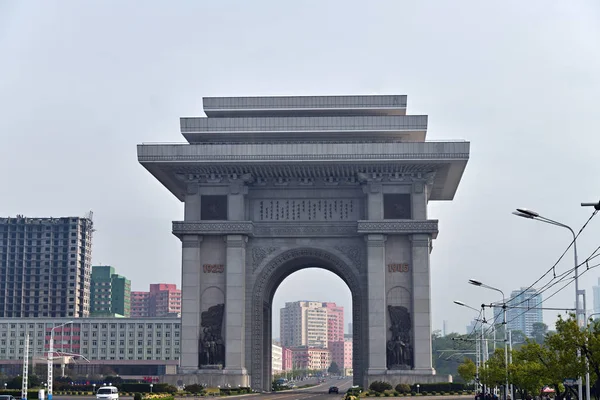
221	378
410	377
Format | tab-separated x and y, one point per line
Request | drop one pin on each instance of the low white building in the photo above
277	358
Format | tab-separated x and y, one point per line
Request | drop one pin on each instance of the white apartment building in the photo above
303	323
94	338
277	358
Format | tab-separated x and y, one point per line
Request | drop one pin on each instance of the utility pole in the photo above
25	369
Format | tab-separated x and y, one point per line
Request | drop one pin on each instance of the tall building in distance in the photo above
596	294
110	293
335	322
45	267
163	300
522	319
304	323
472	327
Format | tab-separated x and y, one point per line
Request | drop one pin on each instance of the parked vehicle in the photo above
107	393
334	389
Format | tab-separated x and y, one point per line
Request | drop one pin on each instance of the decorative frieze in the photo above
399	227
181	228
304	229
259	254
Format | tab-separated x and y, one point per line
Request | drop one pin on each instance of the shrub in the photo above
194	388
396	394
403	388
137	396
380	386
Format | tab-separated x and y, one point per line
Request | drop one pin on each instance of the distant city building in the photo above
350	328
163	300
596	294
444	327
335	322
45	267
314	358
526	312
341	353
472	327
276	358
110	293
286	359
304	323
126	346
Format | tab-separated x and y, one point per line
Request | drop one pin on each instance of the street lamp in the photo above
483	343
418	386
480	284
94	388
51	359
529	214
587	365
151	385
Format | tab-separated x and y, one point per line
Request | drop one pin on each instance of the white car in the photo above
107	393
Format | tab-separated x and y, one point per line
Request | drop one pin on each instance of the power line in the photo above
571	279
560	258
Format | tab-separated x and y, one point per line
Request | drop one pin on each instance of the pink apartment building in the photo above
162	300
315	358
335	322
286	359
341	353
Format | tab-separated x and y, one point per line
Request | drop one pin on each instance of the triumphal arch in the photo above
272	185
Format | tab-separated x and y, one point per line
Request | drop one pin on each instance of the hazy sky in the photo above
83	82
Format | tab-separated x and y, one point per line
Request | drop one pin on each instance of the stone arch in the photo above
275	270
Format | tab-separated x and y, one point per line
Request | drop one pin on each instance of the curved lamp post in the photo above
51	358
483	353
529	214
480	284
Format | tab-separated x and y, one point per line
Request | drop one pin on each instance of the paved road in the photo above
319	392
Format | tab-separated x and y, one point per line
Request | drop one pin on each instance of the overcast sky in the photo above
83	82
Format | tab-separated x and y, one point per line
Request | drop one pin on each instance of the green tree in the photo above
334	368
557	356
518	338
539	331
467	370
526	375
493	372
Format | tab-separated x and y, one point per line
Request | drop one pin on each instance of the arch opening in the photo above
269	280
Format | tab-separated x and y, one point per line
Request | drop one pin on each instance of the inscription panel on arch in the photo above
306	210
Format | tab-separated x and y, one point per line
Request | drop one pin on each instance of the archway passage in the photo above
266	284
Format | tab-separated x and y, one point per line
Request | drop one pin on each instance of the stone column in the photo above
192	203
374	201
377	308
190	301
421	303
235	316
236	209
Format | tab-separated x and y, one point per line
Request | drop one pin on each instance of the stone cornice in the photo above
305	229
181	228
399	227
224	152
